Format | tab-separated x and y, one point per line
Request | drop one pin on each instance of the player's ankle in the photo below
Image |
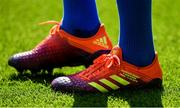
139	61
80	32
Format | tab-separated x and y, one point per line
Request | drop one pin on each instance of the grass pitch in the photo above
19	32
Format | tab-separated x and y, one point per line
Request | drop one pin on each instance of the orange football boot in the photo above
62	49
110	72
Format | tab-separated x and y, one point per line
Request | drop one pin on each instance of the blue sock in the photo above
136	38
80	18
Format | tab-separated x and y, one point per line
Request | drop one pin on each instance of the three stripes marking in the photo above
109	83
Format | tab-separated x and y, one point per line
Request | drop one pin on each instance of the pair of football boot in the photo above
105	71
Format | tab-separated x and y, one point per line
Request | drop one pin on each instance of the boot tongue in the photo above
117	51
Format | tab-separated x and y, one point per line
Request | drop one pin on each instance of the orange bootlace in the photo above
100	65
55	28
53	31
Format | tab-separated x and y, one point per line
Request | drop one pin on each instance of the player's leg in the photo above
77	40
123	67
80	18
136	32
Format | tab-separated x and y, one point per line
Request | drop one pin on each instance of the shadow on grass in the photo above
136	98
145	97
90	100
45	79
